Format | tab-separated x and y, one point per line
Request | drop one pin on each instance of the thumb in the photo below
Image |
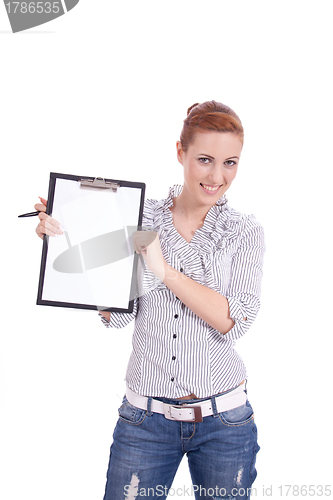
43	200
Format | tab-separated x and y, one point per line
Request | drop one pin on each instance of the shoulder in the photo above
149	210
149	206
238	220
250	234
238	228
153	209
253	234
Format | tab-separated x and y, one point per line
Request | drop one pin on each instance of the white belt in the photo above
192	412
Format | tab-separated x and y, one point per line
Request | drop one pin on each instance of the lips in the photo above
210	189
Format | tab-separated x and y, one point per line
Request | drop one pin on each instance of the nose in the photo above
216	176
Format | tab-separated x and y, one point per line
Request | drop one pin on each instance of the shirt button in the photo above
176	316
174	336
173	358
172	379
181	269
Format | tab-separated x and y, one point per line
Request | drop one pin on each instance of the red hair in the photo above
208	116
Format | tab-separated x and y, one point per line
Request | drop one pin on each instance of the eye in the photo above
204	160
230	163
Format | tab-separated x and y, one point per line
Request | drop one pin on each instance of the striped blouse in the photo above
175	353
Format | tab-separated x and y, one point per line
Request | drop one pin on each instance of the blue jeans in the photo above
147	450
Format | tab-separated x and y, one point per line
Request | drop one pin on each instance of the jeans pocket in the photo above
237	416
131	414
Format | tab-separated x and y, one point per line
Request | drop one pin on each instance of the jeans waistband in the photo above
190	410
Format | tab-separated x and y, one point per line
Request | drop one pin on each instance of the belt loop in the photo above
149	412
214	408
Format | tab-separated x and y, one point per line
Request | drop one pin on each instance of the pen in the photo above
30	214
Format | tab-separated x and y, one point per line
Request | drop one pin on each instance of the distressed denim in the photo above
147	450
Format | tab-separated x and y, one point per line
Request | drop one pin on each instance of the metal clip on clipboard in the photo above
99	182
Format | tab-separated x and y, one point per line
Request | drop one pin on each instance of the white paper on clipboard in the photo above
92	262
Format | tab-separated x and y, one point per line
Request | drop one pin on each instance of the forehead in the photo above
219	143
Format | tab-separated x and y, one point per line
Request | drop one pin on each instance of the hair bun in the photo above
191	107
212	116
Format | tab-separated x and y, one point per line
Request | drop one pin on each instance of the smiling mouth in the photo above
210	188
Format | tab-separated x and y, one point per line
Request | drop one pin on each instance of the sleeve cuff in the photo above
104	320
118	319
236	312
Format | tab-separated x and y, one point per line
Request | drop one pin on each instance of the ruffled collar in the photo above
221	230
218	230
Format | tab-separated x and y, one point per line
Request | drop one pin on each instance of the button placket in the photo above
175	333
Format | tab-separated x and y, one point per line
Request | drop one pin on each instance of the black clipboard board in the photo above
93	264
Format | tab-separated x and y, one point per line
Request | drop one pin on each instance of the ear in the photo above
180	152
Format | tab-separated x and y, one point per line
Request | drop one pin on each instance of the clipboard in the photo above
92	265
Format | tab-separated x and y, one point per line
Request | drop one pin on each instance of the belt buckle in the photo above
196	411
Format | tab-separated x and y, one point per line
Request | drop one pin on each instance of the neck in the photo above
188	209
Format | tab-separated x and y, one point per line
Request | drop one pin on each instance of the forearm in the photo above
210	306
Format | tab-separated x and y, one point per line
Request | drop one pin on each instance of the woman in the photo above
185	382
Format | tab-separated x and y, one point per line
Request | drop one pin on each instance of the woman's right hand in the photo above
47	225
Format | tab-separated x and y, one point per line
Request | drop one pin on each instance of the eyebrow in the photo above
212	157
206	156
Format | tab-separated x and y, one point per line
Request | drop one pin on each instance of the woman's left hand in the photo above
147	243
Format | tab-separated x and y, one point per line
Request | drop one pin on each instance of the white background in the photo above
103	91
